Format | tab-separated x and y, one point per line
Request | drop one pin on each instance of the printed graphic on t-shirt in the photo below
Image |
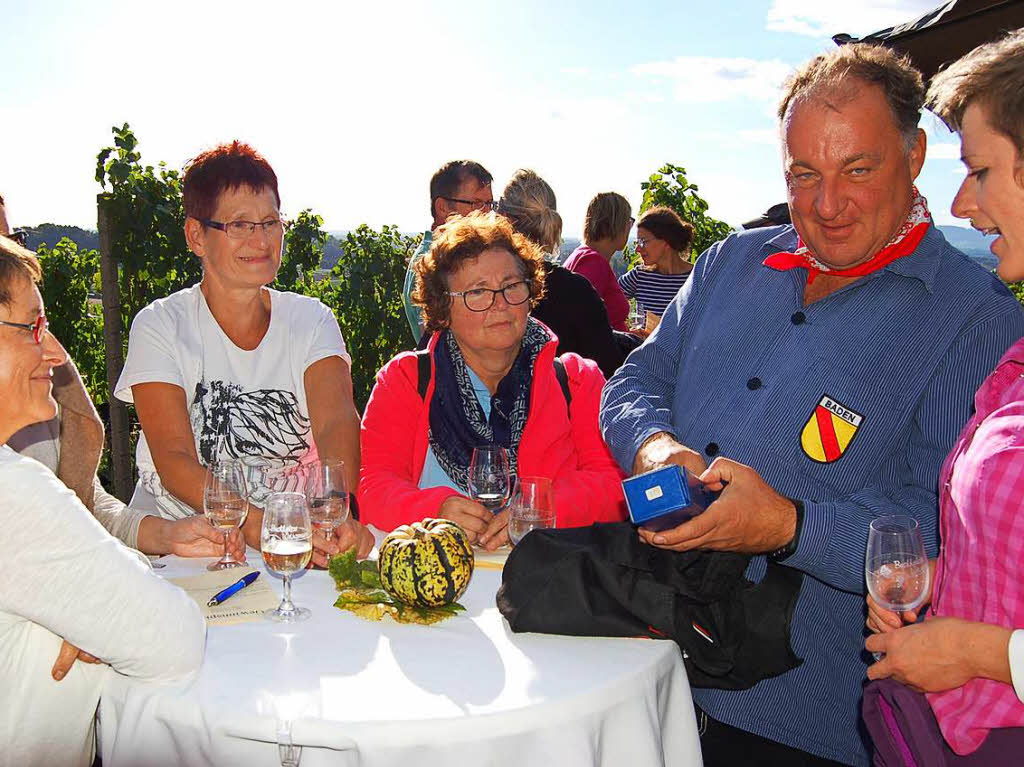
263	424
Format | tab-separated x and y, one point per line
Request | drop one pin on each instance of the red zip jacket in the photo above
566	448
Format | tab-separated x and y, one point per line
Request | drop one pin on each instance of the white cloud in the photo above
707	79
815	18
769	136
938	151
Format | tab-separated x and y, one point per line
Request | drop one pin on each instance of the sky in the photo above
356	104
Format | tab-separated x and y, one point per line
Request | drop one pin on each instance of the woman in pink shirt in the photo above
966	654
605	231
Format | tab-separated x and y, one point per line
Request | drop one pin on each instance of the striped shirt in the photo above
652	290
740	367
978	574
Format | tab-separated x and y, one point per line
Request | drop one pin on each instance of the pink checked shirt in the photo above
978	577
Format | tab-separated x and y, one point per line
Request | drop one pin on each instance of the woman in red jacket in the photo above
491	380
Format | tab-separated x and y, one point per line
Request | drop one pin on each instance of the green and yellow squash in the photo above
427	563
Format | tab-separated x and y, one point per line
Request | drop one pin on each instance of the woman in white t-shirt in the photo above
62	575
232	369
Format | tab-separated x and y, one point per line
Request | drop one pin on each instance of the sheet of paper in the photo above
249	604
491	560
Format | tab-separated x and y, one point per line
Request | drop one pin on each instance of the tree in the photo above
669	186
304	251
365	291
147	220
75	318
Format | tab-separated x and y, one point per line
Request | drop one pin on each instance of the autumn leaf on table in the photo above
360	592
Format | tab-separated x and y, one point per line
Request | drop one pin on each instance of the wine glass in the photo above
489	477
327	493
637	316
286	540
896	567
225	504
532	507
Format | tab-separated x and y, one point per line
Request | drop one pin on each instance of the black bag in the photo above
603	580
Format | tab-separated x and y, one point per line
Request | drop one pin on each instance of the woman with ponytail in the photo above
571	307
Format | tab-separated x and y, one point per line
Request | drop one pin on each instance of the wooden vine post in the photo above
120	444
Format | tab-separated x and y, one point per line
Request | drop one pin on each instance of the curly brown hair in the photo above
461	239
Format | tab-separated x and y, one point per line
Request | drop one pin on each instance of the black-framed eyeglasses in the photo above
641	242
239	230
20	236
482	299
37	328
478	204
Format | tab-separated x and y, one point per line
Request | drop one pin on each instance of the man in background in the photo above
457	188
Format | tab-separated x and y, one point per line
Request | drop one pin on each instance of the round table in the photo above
356	692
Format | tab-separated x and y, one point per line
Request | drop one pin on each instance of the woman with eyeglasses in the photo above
62	576
663	242
231	369
968	653
488	377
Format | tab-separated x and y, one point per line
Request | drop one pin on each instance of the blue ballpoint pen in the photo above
234	588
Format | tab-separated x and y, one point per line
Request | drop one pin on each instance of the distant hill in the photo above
51	234
972	242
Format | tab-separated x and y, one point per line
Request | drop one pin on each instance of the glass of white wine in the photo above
532	507
637	319
327	493
225	504
287	544
489	477
895	566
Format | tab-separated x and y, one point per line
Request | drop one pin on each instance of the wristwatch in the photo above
790	548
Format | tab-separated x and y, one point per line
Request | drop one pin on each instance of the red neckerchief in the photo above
903	243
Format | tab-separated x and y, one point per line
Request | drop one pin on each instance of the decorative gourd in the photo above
427	563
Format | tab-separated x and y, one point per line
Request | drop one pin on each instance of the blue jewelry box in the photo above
665	497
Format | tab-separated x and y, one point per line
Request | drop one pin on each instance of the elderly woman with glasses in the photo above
231	369
63	576
488	377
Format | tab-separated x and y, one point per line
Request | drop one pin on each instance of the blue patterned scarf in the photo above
457	422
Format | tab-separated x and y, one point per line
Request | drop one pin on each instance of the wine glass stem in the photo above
286	603
227	556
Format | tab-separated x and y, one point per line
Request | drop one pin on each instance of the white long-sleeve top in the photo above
1017	662
63	576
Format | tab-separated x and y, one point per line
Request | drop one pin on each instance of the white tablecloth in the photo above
465	691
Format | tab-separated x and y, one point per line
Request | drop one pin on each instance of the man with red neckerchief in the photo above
824	370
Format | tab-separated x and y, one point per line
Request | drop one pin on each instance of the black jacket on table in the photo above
603	581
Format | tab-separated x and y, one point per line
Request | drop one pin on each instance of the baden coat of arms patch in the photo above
829	430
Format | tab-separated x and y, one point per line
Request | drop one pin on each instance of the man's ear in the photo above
917	152
442	209
194	236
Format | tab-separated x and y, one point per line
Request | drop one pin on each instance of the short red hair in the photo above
228	166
